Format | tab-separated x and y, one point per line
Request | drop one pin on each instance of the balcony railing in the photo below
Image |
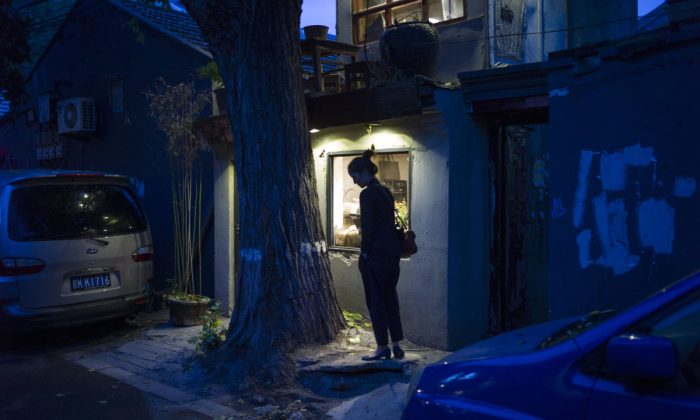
323	61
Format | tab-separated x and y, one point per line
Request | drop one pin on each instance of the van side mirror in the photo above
642	357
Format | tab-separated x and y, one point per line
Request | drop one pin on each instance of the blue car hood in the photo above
522	340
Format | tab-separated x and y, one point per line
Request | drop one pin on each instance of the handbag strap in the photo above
396	212
401	222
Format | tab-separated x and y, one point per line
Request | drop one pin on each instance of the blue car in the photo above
641	363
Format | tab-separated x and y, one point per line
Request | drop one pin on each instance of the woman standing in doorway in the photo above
380	252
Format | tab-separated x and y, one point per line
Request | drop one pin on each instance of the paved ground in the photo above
48	387
337	380
153	362
386	402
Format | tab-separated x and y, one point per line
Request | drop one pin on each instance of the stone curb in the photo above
353	364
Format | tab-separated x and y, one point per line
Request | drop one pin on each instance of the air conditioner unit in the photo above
76	115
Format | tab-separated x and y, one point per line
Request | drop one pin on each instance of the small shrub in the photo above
213	331
356	320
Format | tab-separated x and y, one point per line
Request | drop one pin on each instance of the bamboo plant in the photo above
174	109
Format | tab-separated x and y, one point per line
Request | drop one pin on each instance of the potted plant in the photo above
316	31
174	108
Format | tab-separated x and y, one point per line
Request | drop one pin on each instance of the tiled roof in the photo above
177	24
48	16
46	19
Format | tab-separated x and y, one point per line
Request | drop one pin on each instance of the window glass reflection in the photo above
345	195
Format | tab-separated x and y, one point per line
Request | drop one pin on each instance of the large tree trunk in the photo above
284	291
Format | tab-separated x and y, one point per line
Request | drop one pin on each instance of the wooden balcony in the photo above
343	91
392	99
323	61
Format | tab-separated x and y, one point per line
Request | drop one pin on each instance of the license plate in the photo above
97	281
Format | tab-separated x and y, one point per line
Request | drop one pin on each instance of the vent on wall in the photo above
76	116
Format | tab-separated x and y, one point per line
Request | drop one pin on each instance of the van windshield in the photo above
68	211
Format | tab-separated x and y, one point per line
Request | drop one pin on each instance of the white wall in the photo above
343	21
224	229
543	30
423	283
554	18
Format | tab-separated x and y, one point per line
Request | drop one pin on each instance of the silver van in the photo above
75	247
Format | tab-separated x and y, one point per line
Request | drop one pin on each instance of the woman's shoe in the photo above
384	354
398	352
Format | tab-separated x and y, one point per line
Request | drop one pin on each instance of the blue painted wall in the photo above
97	46
468	250
624	162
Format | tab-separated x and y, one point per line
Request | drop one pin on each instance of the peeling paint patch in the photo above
559	92
250	254
320	247
584	166
308	248
636	155
684	187
558	209
653	218
583	240
611	221
656	225
613	173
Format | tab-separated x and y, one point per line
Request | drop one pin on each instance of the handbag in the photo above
407	238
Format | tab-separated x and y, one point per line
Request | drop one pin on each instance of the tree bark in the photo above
284	290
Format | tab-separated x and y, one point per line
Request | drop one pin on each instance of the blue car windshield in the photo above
575	328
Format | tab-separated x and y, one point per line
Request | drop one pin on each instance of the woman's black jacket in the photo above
379	239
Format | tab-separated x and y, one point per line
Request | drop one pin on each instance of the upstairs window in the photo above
370	17
344	200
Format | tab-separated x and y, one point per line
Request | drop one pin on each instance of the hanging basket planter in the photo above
186	313
411	46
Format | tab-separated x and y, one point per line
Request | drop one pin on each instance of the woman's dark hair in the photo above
364	163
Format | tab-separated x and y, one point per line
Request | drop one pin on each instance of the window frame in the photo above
329	190
386	9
